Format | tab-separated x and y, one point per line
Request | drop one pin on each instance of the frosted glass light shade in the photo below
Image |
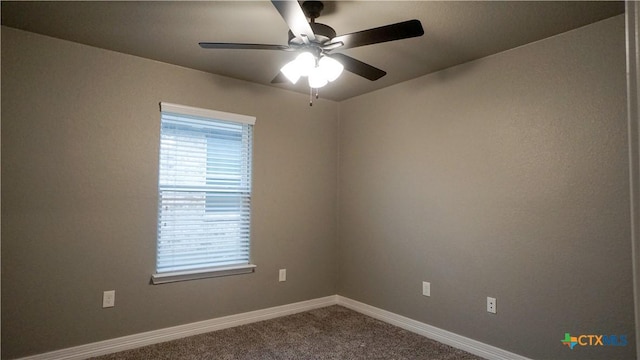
317	78
331	68
306	62
302	65
291	72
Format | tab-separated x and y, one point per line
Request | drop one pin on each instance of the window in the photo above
204	194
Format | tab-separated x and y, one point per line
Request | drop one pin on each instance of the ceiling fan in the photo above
315	42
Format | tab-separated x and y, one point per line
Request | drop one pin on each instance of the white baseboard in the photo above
457	341
177	332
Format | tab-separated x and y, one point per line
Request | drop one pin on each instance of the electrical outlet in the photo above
426	288
282	275
109	299
491	305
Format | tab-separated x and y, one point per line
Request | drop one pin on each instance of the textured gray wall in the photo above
79	168
503	177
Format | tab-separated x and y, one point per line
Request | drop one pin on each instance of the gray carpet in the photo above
333	332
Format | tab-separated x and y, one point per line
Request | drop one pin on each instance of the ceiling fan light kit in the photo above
315	41
320	72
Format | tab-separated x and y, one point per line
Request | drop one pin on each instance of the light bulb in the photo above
317	78
331	68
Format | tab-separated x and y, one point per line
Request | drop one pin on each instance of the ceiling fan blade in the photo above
212	45
358	67
397	31
293	15
279	79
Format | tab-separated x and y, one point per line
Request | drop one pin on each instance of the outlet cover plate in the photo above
491	305
426	288
109	299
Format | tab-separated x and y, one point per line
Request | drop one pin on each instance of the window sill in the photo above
169	277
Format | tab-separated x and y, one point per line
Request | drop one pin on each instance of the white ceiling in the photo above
169	31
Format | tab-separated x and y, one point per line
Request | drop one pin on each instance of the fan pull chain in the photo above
311	95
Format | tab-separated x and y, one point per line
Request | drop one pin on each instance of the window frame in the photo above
204	272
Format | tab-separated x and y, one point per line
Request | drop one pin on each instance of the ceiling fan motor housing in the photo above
322	32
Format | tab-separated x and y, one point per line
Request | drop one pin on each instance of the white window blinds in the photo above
204	189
